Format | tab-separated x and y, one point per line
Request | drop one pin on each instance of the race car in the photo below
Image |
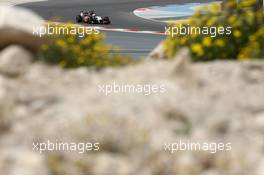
91	18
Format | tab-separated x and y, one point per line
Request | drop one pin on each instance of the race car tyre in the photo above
87	19
79	18
106	20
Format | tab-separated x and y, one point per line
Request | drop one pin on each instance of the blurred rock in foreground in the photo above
18	26
212	102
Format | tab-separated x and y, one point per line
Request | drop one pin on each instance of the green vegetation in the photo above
246	40
72	51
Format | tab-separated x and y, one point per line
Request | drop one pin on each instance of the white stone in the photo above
14	60
20	19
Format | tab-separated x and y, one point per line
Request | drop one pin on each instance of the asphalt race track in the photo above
121	15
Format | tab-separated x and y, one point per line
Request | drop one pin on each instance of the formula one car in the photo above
91	18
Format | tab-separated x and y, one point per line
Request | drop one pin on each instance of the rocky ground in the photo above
219	101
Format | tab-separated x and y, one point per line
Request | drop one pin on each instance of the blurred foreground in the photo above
214	102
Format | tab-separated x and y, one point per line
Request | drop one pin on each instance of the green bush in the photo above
72	51
255	47
246	29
